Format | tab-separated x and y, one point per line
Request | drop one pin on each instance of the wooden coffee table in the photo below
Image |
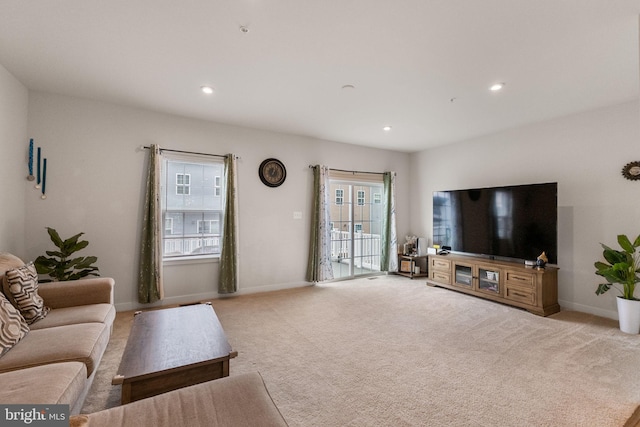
172	348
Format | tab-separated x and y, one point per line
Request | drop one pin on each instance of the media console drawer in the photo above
441	277
520	278
523	295
440	264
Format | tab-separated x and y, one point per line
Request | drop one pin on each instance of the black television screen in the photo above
514	222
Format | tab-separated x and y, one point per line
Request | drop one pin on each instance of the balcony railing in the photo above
366	249
185	245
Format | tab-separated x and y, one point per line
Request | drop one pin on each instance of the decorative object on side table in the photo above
542	260
409	247
631	171
622	267
60	266
272	172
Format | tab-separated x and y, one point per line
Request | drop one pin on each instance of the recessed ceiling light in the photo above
496	87
207	89
386	128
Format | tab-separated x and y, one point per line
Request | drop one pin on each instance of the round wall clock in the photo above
631	171
272	172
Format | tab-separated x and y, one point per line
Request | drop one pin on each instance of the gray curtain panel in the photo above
389	258
319	267
228	281
150	275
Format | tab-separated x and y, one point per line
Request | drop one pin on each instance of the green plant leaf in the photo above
55	254
625	243
636	243
86	262
613	256
602	288
55	237
80	245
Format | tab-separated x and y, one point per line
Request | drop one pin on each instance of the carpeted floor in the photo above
392	351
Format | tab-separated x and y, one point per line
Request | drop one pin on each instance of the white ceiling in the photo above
406	58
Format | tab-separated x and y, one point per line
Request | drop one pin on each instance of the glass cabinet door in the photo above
463	275
489	280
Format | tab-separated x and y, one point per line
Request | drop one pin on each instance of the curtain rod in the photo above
146	147
353	172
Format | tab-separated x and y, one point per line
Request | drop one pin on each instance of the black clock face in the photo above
272	172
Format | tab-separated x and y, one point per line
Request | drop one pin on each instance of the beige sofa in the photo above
240	400
56	361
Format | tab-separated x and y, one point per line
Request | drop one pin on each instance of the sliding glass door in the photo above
356	227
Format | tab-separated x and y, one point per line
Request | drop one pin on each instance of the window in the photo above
216	186
207	226
192	205
183	183
358	228
377	198
360	198
339	196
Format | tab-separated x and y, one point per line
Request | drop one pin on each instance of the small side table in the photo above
407	265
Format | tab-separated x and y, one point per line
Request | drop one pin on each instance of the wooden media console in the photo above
533	289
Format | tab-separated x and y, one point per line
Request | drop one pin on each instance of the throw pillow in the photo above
21	287
12	326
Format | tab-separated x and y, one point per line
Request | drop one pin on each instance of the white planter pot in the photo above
629	315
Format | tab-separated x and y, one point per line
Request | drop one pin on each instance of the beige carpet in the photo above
394	352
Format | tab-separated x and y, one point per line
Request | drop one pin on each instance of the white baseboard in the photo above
567	305
185	299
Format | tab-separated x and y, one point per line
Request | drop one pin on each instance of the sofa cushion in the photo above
85	342
13	327
8	262
57	383
240	400
92	313
20	285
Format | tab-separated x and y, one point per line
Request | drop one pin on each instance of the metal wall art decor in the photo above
40	178
631	171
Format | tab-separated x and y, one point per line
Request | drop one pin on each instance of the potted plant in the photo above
60	265
622	267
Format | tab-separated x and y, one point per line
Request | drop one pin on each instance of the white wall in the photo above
95	184
14	146
585	154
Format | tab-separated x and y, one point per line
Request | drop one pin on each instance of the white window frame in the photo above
360	197
377	198
339	197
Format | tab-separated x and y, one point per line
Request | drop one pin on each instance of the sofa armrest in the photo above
77	292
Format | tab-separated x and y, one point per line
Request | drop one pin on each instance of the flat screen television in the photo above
513	223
